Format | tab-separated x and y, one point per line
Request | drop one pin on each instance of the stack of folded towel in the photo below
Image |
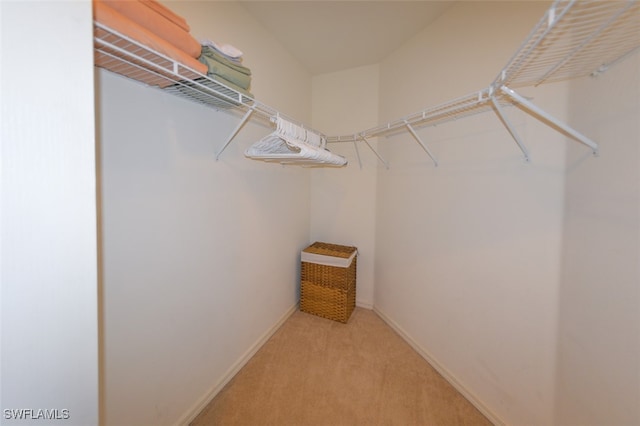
151	24
224	63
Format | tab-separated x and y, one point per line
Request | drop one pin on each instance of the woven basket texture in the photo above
329	291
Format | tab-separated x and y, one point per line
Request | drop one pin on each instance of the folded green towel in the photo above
214	54
222	70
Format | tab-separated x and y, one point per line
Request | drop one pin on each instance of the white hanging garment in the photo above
292	144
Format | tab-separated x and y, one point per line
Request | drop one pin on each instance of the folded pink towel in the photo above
167	13
117	22
147	16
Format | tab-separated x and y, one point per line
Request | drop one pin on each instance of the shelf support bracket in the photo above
235	132
386	165
550	119
422	144
510	128
355	145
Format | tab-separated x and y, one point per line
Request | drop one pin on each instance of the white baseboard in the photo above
193	412
448	376
365	305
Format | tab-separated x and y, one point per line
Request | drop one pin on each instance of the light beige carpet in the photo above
315	372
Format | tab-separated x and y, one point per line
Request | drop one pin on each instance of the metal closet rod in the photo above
474	103
482	101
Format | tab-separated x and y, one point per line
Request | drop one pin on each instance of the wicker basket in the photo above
328	281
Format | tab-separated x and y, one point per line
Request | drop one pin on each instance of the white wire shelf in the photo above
573	39
122	55
465	106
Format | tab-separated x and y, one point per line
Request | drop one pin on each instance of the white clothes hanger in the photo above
293	144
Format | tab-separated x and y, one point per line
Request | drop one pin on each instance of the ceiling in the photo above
327	36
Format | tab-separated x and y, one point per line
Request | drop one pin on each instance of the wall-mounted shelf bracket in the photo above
510	128
233	134
549	119
386	165
355	145
422	144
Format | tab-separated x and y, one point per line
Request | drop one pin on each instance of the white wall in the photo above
468	254
49	330
343	200
201	258
598	377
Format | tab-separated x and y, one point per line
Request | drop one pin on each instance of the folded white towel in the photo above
227	50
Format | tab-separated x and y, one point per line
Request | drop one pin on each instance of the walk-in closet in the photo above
483	157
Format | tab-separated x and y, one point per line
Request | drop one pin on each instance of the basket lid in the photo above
327	249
